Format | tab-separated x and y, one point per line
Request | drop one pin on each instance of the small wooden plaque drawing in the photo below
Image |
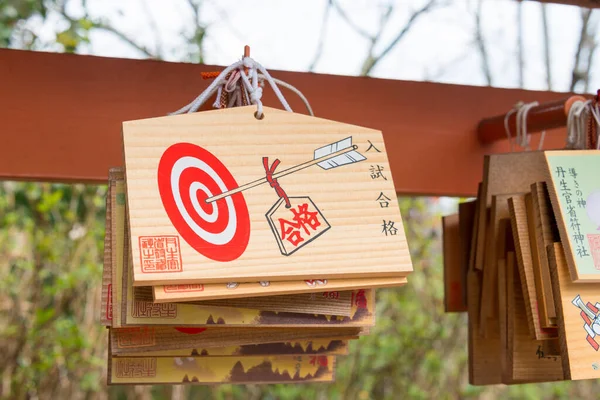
200	187
303	347
150	338
575	193
236	370
578	310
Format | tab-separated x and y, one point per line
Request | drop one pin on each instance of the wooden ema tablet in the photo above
489	290
543	287
151	338
305	347
484	368
526	359
484	353
520	230
466	217
138	312
577	308
546	234
452	265
501	252
504	174
334	303
106	297
506	261
475	231
234	290
502	317
184	370
117	239
192	292
575	194
482	215
204	188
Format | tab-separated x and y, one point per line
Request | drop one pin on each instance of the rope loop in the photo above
243	81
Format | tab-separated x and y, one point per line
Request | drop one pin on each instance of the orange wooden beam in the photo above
539	118
61	114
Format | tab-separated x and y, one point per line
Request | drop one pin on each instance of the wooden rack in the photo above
61	116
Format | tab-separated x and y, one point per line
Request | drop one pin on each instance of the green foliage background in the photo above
53	347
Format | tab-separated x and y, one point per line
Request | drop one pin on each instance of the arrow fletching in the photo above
349	157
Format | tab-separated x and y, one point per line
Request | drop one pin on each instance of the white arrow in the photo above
327	157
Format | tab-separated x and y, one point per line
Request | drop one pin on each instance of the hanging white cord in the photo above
252	87
523	137
507	129
577	124
293	89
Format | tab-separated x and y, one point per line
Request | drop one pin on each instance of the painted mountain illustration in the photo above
264	372
287	348
272	317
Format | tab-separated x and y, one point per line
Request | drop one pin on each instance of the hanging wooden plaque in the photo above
207	202
543	287
578	311
192	370
523	245
331	303
575	193
150	338
505	174
527	360
332	346
233	290
453	290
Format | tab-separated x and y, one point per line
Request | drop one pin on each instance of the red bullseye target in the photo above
187	176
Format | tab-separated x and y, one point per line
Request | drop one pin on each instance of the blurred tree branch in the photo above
546	36
154	27
372	58
481	45
321	42
80	27
199	32
520	56
584	54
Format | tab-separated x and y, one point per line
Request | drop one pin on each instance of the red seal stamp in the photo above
594	241
160	254
183	288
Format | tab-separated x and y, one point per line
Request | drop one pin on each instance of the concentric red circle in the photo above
187	175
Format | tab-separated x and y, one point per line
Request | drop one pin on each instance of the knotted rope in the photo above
522	137
244	87
273	181
577	124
